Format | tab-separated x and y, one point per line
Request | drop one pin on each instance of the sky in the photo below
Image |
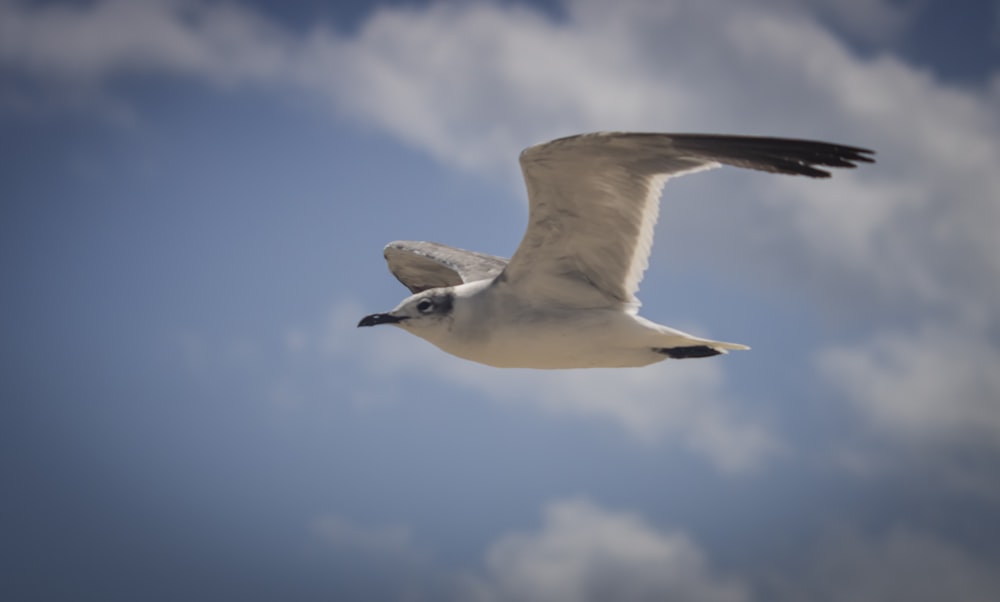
195	196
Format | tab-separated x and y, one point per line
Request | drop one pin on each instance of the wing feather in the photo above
423	265
594	202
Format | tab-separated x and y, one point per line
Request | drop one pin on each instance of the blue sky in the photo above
195	198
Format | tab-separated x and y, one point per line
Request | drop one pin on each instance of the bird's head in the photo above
420	314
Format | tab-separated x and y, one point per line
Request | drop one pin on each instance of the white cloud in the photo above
91	42
685	402
474	83
580	552
930	402
902	566
934	385
913	256
917	227
583	552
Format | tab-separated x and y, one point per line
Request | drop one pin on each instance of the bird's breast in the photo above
533	338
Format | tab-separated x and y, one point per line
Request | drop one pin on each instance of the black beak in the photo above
376	319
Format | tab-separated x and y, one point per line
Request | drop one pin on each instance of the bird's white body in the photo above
491	325
566	299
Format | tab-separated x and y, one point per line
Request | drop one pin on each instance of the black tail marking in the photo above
680	353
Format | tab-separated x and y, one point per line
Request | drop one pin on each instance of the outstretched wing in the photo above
422	265
594	199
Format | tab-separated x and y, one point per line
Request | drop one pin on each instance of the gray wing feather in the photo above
423	265
594	200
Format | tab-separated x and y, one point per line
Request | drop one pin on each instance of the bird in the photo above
567	297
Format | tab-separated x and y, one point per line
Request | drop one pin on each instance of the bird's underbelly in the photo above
555	344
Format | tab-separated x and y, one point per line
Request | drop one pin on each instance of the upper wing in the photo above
423	265
594	199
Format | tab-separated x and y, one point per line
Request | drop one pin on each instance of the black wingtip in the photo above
790	156
807	157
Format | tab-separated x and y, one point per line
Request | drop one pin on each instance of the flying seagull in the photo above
566	299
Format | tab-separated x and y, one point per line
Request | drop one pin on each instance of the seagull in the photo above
567	297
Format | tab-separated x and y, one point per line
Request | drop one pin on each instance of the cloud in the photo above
89	43
919	228
682	403
69	55
474	83
928	401
583	552
897	381
877	21
580	552
901	566
908	256
685	402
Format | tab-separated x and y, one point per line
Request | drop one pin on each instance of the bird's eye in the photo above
424	305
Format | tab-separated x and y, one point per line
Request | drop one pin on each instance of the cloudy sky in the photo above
194	200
